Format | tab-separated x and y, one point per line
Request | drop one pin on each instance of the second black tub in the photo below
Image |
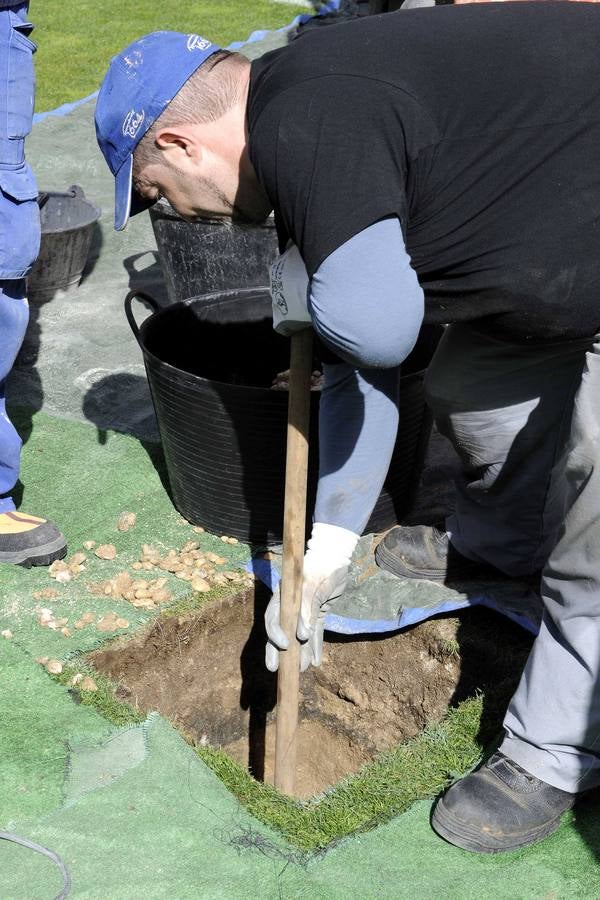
210	363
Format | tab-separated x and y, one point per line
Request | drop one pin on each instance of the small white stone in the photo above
63	576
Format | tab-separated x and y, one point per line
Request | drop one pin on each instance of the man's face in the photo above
216	190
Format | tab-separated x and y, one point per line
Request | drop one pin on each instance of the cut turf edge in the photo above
386	787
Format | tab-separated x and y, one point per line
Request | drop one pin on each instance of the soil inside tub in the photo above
205	671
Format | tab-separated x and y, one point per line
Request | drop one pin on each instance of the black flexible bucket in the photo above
210	363
67	221
211	254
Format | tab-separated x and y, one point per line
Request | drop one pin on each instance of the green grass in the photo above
77	38
103	700
195	601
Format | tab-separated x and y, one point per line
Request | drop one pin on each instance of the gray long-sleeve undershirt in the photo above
367	307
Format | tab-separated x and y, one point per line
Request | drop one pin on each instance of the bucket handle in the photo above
77	191
146	298
74	191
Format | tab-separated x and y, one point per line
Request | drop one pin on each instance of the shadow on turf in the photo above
122	403
145	274
587	820
25	366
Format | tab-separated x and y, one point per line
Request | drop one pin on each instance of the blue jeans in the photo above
19	216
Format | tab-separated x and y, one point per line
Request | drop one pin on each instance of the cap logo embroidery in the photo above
132	61
195	42
132	122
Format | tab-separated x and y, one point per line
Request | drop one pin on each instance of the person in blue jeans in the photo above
25	539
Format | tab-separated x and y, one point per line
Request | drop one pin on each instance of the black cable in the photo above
66	888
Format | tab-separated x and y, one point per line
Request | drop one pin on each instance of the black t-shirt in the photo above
477	126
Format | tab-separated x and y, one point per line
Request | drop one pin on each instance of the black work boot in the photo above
424	551
27	540
499	807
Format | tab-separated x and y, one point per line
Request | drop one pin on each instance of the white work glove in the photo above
289	285
326	565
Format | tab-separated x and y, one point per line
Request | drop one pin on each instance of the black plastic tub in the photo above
210	362
211	254
67	221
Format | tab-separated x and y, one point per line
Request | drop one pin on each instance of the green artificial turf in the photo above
84	485
37	717
77	38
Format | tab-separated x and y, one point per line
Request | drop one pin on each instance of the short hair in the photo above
205	97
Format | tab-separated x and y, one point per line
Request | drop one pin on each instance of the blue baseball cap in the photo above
140	83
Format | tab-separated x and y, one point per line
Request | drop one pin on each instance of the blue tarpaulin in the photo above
375	601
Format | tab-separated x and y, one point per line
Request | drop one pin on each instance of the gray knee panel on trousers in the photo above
505	407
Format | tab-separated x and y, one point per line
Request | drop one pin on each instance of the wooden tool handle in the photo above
296	466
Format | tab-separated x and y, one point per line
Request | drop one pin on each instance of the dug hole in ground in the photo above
205	671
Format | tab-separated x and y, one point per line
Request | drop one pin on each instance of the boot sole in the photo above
43	555
390	562
476	841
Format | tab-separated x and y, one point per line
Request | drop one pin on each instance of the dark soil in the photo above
205	671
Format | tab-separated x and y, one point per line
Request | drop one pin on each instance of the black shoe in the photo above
500	807
27	540
424	551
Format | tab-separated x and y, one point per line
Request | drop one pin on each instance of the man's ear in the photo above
178	139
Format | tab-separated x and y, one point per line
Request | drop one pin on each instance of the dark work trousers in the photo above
19	217
525	422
